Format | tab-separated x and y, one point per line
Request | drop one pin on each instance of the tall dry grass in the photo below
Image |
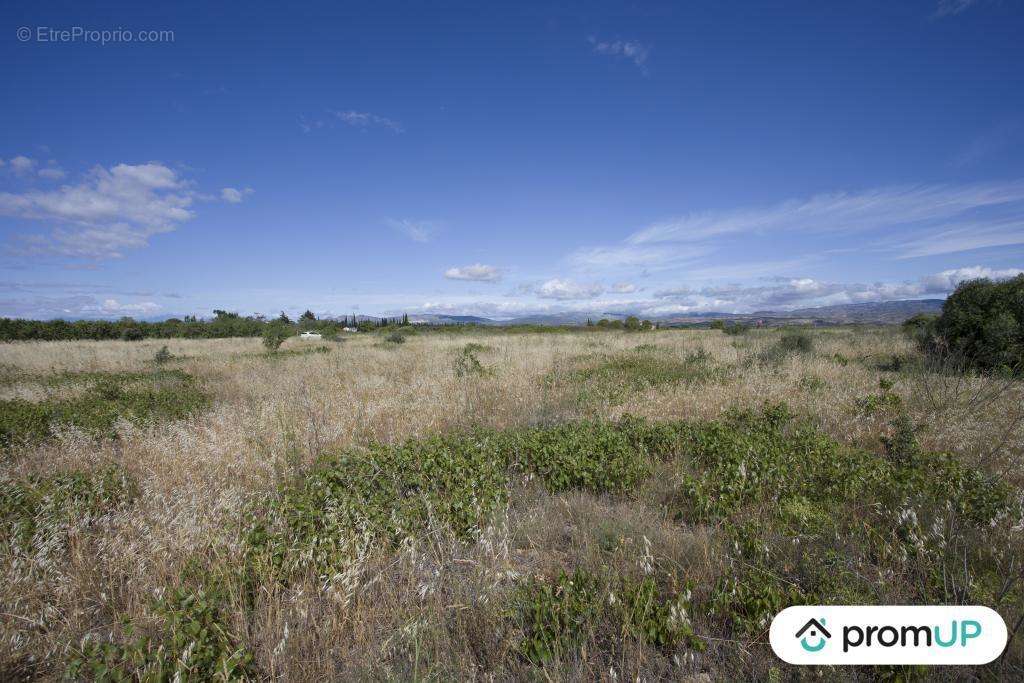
425	611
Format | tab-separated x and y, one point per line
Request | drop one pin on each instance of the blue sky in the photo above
499	160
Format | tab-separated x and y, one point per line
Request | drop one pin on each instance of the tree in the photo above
284	319
274	336
983	323
307	316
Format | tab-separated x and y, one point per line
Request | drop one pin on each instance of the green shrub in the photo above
163	356
132	334
192	642
36	512
735	328
558	616
451	484
784	493
386	493
395	338
610	379
274	336
591	455
466	363
137	397
982	322
796	342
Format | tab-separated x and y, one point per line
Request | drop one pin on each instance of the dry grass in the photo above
432	608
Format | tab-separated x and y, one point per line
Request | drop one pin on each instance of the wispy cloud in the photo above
840	212
960	238
476	273
417	231
989	143
626	49
363	119
898	222
948	8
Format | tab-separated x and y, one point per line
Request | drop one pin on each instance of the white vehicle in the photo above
312	336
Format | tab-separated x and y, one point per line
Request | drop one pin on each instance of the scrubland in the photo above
598	505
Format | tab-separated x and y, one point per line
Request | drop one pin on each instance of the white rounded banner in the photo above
900	634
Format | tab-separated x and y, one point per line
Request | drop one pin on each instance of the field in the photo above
544	506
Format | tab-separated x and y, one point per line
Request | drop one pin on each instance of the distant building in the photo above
349	329
312	336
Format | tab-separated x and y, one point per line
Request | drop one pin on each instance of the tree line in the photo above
223	324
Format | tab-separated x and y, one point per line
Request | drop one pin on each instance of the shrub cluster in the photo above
35	512
191	641
137	397
982	323
557	616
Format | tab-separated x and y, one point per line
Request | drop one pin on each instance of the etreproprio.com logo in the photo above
902	634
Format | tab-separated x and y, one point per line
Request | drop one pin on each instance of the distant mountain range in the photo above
884	313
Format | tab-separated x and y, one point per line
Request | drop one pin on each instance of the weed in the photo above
611	378
192	642
466	363
163	356
558	616
36	512
137	397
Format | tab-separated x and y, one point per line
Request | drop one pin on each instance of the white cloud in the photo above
476	272
113	306
235	196
51	173
789	293
417	231
627	49
22	164
624	288
947	280
362	119
565	290
109	211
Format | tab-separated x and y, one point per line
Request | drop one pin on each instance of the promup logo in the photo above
939	635
817	630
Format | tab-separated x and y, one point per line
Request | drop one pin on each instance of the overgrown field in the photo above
603	505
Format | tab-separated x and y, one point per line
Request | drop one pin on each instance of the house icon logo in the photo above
817	633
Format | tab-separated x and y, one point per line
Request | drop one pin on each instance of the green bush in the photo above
386	493
35	512
796	342
451	484
395	338
466	363
132	334
163	356
558	616
982	322
594	456
192	642
137	397
611	378
274	336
